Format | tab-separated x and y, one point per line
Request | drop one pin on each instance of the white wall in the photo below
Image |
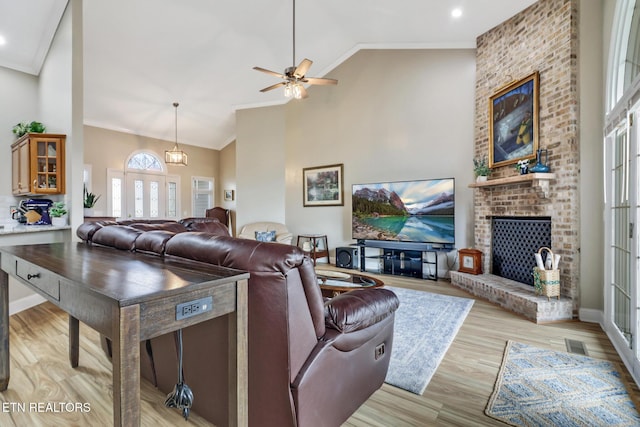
591	82
394	115
260	166
51	98
18	103
61	104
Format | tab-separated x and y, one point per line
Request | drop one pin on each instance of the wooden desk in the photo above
128	297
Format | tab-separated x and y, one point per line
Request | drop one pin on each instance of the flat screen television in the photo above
421	211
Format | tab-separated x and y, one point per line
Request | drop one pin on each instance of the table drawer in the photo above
39	278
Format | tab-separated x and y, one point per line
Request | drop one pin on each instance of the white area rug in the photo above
425	326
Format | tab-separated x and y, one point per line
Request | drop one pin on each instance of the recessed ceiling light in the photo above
457	12
3	41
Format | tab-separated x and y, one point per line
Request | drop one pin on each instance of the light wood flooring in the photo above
456	395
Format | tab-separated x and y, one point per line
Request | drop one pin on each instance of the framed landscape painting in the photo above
323	186
513	122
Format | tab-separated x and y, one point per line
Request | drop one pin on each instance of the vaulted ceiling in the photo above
142	55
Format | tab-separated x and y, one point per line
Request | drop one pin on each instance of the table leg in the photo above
126	366
4	330
74	341
238	365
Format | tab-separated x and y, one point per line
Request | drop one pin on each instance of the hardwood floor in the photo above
456	395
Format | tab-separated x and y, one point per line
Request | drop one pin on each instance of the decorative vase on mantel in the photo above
481	178
541	166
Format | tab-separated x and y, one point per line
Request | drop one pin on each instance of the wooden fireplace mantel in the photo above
539	180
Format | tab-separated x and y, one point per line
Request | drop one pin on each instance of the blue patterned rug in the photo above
425	326
538	387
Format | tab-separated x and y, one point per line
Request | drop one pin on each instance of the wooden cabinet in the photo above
37	161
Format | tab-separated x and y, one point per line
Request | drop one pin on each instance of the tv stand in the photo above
401	258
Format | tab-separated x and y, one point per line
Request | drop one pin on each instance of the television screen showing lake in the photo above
433	229
411	211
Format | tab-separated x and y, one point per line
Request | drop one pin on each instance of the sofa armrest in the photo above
284	238
359	309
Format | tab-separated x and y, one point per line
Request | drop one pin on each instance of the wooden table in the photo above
318	246
128	297
333	283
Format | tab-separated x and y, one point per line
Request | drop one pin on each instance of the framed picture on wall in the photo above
323	186
228	195
513	122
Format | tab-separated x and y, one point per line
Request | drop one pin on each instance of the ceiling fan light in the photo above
297	91
288	91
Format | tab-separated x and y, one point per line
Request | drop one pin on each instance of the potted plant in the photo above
90	200
58	214
24	127
481	168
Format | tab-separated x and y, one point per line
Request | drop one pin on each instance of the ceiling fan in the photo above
294	77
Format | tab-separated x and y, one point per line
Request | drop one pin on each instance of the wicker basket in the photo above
546	282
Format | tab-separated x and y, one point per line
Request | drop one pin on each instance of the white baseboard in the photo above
24	303
591	315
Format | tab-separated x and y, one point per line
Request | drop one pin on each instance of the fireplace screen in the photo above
514	240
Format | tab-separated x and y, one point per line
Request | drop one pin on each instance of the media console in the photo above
402	258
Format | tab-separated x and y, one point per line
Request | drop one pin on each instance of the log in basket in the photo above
546	282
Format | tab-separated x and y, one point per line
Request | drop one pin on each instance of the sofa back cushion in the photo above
172	226
153	241
210	225
121	237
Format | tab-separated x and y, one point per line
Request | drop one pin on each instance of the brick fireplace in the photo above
541	38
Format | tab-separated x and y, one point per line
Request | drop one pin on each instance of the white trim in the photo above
591	315
618	51
176	179
89	178
623	351
115	173
25	303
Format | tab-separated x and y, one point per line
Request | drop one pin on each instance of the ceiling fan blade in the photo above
302	69
275	86
318	81
273	73
303	92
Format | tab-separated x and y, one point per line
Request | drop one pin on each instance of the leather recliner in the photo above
311	363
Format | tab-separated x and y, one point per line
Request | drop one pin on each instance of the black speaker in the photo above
347	257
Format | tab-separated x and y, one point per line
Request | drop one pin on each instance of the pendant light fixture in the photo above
176	156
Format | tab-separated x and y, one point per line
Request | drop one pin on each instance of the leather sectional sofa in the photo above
312	362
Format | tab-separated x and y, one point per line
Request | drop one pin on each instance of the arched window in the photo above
624	61
143	189
145	161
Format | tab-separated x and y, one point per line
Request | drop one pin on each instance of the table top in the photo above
338	281
124	276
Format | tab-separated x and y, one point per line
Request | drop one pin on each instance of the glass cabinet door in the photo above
47	164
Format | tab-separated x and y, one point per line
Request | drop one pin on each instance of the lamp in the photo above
293	90
176	156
